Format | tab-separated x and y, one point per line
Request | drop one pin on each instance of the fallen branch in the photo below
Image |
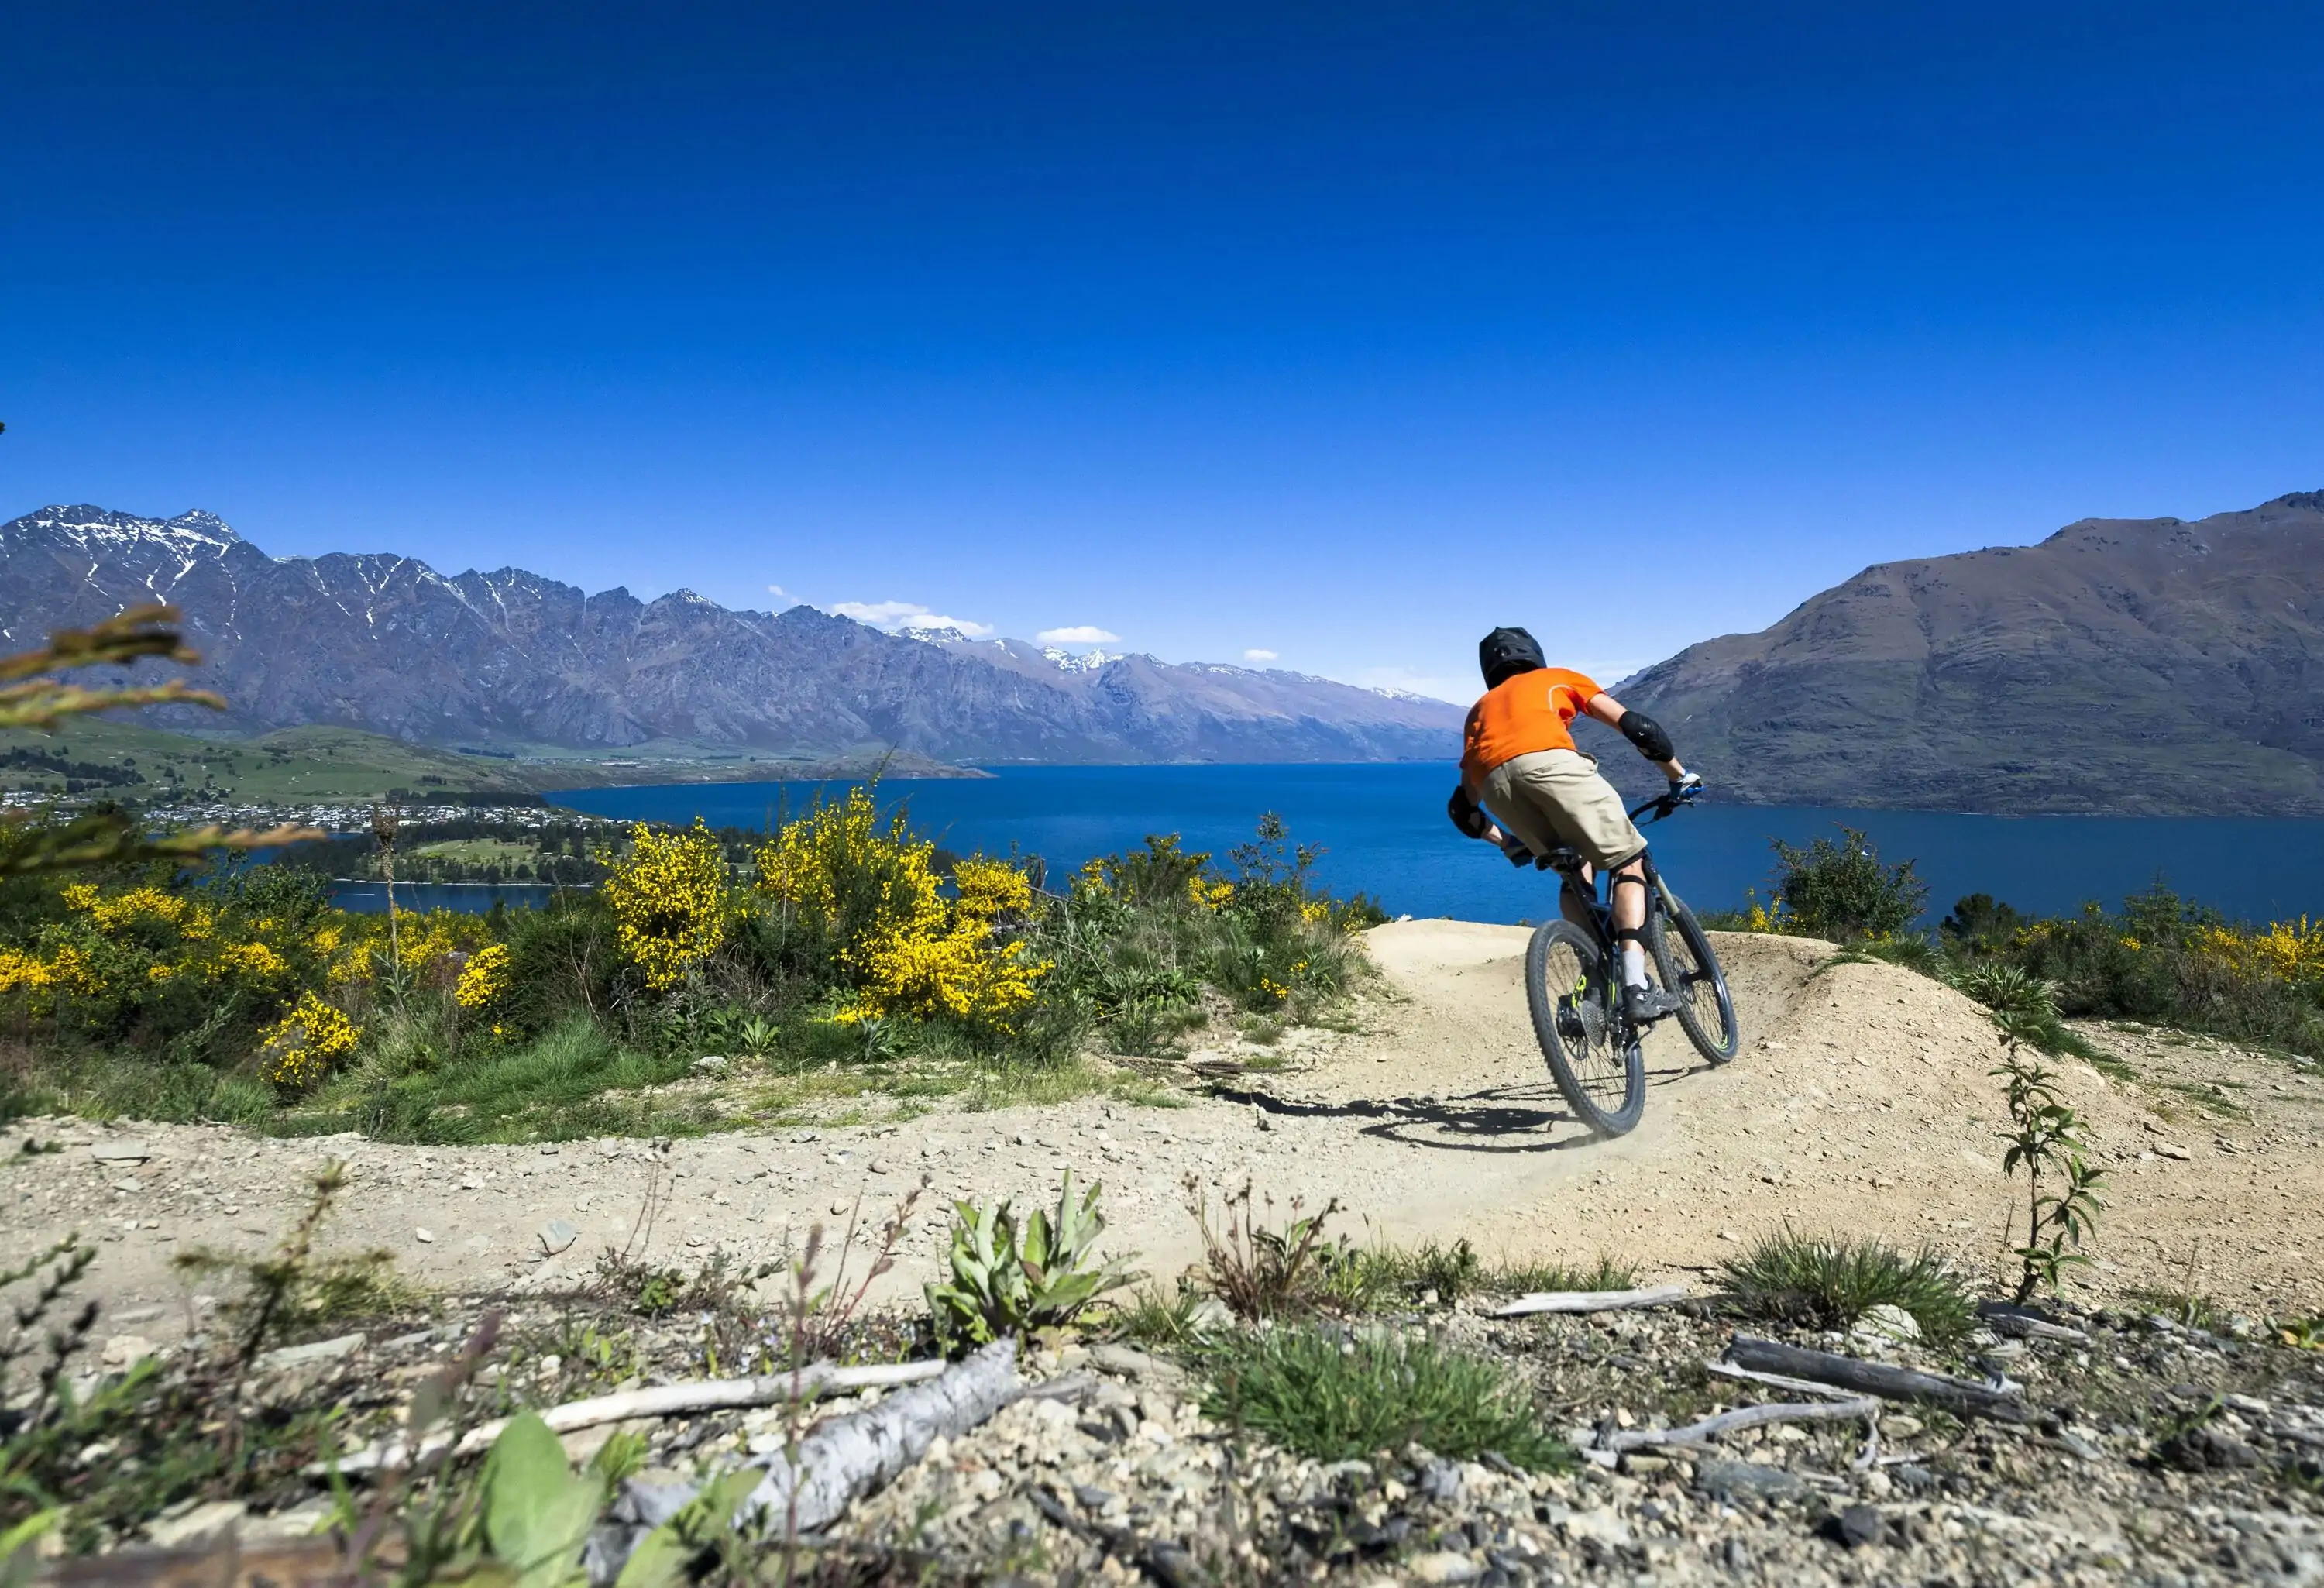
1592	1300
1961	1397
2024	1322
1748	1417
1727	1370
856	1454
662	1400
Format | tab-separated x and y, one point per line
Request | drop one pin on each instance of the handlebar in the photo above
1663	805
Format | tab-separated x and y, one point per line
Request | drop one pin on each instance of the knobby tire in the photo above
1604	1079
1689	969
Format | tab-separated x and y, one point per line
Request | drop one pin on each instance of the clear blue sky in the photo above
1337	331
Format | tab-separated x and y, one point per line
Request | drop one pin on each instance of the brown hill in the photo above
2140	665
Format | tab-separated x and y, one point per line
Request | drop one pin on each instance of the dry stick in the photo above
1727	1370
853	1454
1958	1396
1748	1417
1592	1300
665	1400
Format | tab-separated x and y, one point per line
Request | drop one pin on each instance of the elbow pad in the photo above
1467	814
1647	734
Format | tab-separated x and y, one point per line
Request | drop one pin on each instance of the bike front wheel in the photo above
1689	972
1592	1051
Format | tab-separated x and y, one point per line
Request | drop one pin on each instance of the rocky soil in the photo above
2157	1454
2160	1453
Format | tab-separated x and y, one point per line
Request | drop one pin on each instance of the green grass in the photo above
574	1081
1831	1282
2189	1307
1336	1398
1385	1273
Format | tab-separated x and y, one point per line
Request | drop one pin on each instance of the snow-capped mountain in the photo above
389	644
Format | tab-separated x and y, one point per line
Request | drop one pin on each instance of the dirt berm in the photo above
1861	1103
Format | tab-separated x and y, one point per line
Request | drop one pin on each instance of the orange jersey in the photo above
1528	712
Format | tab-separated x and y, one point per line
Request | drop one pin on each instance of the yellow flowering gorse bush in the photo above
484	978
903	945
299	1049
669	901
2288	951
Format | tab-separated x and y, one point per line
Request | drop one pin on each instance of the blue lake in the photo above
1384	831
371	898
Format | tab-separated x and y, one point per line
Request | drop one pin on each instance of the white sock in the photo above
1634	966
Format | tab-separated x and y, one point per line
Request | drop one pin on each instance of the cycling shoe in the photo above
1644	1003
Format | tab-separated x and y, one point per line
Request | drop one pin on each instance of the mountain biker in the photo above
1518	758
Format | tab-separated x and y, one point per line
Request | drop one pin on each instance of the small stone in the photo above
1897	1426
471	1183
839	1206
1731	1479
123	1352
129	1184
2172	1149
1728	1235
198	1523
291	1356
556	1235
712	1063
1885	1324
424	1236
121	1152
1442	1566
1856	1526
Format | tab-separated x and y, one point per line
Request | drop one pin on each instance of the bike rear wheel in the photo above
1689	972
1592	1051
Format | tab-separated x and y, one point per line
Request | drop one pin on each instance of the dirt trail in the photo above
1860	1103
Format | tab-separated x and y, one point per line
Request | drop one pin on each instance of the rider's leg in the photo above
1629	918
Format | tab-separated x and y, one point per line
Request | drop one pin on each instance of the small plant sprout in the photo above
2045	1139
1004	1278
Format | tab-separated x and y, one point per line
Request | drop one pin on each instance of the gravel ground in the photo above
2119	1477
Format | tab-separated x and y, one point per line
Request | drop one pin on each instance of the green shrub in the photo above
1338	1397
1978	924
1005	1279
1842	891
1831	1282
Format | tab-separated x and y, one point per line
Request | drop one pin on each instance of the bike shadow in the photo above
1525	1118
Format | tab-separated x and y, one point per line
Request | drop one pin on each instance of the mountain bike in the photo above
1573	985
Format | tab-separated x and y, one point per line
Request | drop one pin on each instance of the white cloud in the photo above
1255	654
774	589
906	614
1078	634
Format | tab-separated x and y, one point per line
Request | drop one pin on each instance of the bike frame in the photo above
1659	897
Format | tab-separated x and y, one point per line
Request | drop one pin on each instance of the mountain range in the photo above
2134	666
510	659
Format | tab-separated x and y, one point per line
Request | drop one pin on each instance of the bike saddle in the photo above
1559	859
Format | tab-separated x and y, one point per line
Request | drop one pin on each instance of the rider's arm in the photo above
1640	729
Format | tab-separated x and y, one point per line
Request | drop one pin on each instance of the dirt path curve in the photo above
1860	1103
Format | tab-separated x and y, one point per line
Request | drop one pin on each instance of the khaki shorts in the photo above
1557	798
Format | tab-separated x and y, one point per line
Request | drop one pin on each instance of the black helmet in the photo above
1504	653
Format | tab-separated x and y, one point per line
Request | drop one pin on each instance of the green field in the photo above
297	764
123	761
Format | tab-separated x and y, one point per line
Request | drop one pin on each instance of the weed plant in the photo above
1335	1396
1828	1282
